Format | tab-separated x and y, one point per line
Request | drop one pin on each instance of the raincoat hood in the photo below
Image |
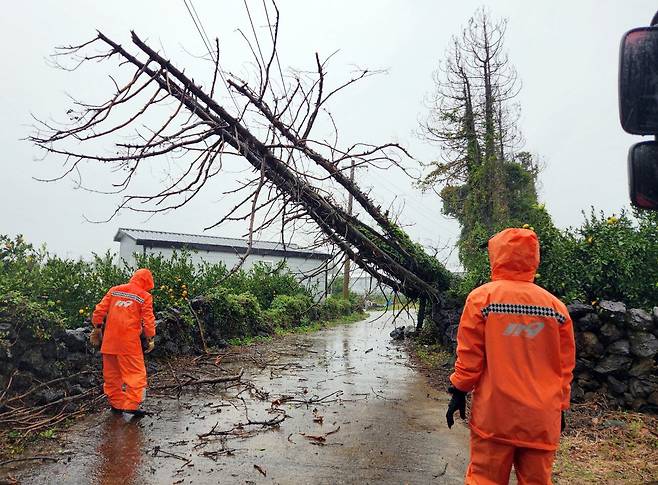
514	255
143	278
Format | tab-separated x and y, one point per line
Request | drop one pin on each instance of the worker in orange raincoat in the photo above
516	354
128	313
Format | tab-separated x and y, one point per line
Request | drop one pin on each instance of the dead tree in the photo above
271	128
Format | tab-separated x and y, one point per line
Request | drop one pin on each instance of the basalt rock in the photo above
643	344
589	344
75	340
613	310
616	386
620	347
591	321
611	331
613	363
578	310
639	320
643	367
397	333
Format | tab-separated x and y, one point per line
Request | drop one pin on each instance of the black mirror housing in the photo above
638	81
643	175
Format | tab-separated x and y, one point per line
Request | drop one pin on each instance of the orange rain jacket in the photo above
127	307
515	349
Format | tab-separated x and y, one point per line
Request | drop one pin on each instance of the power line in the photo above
203	29
206	41
203	39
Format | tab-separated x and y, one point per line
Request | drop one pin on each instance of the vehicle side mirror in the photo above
643	175
638	81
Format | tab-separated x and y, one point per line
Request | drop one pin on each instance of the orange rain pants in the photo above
491	463
125	380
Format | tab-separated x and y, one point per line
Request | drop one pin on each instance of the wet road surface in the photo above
351	409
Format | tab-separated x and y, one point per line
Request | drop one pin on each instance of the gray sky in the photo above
566	54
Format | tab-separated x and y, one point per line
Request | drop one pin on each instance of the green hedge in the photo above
26	316
611	257
232	315
290	311
334	307
71	288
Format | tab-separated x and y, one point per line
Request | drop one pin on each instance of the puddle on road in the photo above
351	411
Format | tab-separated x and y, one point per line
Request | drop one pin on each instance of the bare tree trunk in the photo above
346	272
422	308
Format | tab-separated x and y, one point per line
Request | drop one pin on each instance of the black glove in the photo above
563	423
458	402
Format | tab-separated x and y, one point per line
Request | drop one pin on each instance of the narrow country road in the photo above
351	409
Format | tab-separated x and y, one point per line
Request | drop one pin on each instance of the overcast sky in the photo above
565	52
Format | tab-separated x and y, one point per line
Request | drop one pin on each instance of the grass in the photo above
249	340
432	356
15	443
301	329
607	447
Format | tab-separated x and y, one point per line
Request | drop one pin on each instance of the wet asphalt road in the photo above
372	419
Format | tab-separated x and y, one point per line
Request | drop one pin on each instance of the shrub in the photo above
357	303
334	307
267	283
68	288
290	310
612	258
232	305
27	317
176	278
607	257
228	315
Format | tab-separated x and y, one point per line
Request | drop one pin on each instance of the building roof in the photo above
160	239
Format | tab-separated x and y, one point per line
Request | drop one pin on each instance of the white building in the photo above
212	249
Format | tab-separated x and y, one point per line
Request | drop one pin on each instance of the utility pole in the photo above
346	271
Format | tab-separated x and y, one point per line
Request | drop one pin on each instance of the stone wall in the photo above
65	361
616	352
28	359
47	363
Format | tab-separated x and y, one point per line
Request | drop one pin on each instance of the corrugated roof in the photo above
216	243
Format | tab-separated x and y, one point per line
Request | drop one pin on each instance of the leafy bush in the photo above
290	310
241	304
357	303
229	315
612	258
607	257
68	288
27	317
334	307
177	278
267	284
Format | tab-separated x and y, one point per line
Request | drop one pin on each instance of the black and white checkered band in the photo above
516	309
130	296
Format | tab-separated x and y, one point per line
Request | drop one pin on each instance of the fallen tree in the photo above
271	129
